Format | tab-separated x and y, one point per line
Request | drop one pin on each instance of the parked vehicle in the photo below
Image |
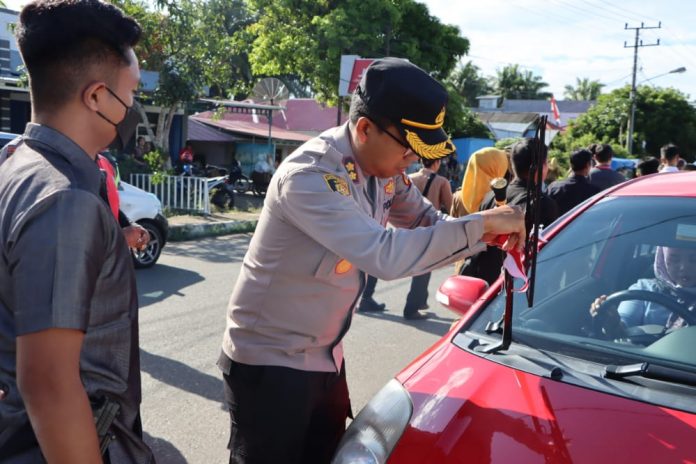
585	379
221	192
5	138
145	209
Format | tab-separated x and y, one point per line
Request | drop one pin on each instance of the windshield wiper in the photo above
651	371
532	216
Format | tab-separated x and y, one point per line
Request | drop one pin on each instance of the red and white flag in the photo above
554	110
513	263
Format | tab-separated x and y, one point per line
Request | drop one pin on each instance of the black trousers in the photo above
283	415
418	295
370	285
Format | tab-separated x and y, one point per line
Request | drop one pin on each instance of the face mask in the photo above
126	128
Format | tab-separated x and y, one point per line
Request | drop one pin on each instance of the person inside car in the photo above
675	277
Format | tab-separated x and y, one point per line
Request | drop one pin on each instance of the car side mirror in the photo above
459	293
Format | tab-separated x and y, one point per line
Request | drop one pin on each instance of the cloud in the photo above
565	39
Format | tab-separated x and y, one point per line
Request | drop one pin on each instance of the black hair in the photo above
580	159
603	152
689	167
648	165
669	152
64	42
521	156
429	162
358	109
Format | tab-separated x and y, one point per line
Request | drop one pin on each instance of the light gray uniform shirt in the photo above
323	226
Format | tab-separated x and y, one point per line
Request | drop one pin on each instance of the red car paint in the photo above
470	409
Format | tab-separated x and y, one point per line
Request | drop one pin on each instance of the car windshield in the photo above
616	285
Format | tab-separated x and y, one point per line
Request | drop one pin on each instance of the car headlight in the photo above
372	436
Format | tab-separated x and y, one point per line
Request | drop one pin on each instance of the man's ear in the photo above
92	93
362	127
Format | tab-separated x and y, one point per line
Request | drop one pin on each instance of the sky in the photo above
562	40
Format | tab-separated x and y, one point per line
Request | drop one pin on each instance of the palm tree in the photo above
585	89
468	82
512	83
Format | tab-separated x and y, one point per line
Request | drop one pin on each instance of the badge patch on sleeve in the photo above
337	184
343	266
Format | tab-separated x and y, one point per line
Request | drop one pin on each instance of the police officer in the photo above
321	230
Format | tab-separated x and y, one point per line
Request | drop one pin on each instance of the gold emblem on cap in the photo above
439	121
429	151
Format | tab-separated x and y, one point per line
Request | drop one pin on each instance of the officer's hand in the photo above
136	236
505	220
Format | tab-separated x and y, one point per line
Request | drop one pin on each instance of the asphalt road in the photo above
182	318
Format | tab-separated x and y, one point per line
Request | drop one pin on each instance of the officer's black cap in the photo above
401	92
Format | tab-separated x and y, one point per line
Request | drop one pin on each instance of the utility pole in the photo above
638	43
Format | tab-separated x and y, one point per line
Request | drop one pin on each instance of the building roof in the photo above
498	117
202	132
544	106
300	115
251	129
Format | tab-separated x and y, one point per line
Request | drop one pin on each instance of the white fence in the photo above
183	193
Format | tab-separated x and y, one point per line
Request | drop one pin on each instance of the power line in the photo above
678	50
621	13
587	11
625	10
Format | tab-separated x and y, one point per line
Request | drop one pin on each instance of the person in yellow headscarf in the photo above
484	165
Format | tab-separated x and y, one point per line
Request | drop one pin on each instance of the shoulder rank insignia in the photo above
349	164
389	187
337	184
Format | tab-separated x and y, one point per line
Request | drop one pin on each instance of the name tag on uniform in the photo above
337	184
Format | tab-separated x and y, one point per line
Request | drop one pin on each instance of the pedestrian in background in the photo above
486	265
669	158
437	190
322	228
602	175
484	165
570	192
69	335
648	165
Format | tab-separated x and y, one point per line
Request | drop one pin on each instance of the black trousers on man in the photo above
418	295
283	415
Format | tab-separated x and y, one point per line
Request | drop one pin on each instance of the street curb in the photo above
194	231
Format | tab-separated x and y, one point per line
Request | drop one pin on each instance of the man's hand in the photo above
505	220
136	236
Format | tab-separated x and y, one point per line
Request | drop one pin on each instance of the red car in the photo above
601	368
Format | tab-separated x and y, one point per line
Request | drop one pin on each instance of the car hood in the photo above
470	409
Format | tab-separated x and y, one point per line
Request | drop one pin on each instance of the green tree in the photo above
191	44
307	39
585	89
662	116
468	82
513	83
